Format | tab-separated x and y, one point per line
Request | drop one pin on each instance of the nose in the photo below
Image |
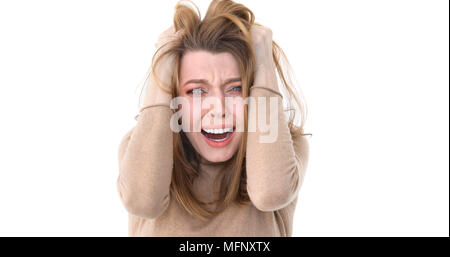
217	109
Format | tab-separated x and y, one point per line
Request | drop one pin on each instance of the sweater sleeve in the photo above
146	162
275	170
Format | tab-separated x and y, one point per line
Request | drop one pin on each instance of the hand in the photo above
265	67
162	76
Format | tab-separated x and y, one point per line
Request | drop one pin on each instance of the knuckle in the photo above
261	33
267	32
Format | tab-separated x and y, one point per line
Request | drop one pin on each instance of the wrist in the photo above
265	76
155	95
160	97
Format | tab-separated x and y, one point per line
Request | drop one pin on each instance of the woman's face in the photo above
206	80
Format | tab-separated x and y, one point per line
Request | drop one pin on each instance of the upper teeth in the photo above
218	131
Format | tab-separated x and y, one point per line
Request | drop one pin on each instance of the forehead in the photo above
205	65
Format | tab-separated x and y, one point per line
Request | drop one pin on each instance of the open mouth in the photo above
218	135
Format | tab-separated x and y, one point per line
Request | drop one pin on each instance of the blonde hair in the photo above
225	28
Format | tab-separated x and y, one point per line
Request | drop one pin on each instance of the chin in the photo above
217	156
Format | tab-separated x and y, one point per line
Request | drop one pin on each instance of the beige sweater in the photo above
275	173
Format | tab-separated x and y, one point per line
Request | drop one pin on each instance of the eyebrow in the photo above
204	81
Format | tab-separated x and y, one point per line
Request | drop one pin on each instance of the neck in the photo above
211	169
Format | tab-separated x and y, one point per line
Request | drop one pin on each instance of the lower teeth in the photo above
220	140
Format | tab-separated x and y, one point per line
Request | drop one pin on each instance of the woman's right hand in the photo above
164	71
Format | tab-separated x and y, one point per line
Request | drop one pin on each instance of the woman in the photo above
214	176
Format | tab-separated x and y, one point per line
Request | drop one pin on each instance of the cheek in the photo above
192	112
239	109
195	112
238	113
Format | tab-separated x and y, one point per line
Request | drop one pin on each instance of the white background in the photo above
375	75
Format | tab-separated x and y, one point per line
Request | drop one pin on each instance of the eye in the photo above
237	89
195	91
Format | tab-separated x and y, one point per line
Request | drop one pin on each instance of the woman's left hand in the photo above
265	66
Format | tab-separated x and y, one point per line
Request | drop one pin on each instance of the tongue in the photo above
216	136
